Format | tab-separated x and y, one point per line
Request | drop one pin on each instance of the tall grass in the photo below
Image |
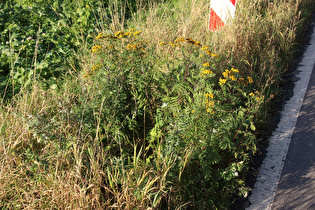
258	40
119	137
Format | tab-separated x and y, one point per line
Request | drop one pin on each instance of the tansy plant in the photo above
174	104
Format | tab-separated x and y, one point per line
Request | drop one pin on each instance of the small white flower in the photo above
164	105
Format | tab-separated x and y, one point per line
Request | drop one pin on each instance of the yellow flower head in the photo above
209	95
233	78
240	80
206	64
119	34
252	94
209	103
250	79
204	48
222	81
110	46
235	70
96	48
198	44
225	74
209	106
211	111
206	71
129	34
172	44
208	52
190	40
108	36
100	36
137	33
214	55
136	46
181	39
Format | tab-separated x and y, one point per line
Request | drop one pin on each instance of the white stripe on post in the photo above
220	12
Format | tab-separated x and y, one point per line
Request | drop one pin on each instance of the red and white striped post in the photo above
220	12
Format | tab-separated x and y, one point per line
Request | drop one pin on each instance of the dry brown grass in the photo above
38	171
258	41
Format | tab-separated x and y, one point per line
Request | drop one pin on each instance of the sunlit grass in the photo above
161	113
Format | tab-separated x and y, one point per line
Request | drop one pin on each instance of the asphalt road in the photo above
296	188
286	178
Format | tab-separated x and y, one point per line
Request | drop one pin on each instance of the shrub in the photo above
191	103
39	41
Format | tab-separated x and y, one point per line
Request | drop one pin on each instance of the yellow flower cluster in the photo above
222	81
100	36
256	96
94	68
137	33
172	44
120	34
110	46
250	79
244	81
96	48
205	72
136	46
232	74
209	95
209	103
189	41
206	64
130	33
206	50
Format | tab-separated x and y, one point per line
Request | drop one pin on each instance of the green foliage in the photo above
191	104
212	111
122	87
40	40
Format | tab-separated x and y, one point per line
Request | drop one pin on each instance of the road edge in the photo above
263	193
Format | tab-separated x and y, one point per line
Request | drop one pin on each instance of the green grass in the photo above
150	110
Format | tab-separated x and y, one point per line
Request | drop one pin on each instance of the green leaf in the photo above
252	126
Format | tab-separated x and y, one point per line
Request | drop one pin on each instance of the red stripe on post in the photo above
233	2
215	21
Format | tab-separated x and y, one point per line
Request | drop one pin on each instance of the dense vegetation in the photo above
135	104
